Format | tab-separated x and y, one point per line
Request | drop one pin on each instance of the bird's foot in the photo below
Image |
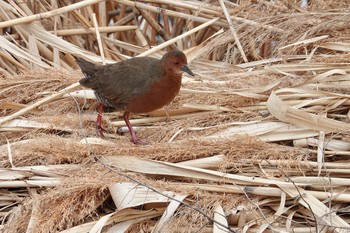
138	141
134	138
100	130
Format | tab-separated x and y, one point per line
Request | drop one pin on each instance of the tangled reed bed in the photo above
257	141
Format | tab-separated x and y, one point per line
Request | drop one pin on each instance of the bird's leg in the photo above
134	138
99	129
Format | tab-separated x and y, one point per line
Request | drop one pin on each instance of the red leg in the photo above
134	138
99	129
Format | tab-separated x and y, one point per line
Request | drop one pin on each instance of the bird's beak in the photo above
187	70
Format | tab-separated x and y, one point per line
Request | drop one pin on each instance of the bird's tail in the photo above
86	66
89	69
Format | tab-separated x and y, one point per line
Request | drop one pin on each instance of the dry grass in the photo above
257	141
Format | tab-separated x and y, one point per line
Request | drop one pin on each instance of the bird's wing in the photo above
121	81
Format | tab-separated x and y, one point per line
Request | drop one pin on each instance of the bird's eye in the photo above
177	62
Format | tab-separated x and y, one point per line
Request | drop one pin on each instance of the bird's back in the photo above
115	84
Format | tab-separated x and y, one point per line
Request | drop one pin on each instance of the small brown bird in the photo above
137	85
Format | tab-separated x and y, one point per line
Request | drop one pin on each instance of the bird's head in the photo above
176	62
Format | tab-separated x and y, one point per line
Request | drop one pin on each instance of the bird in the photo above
135	85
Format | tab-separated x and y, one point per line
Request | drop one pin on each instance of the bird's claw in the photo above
138	141
100	130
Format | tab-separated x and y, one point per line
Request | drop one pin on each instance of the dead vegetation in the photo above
257	141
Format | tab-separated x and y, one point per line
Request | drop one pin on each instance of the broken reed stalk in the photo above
234	33
157	28
157	119
82	31
49	14
173	40
99	41
195	6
